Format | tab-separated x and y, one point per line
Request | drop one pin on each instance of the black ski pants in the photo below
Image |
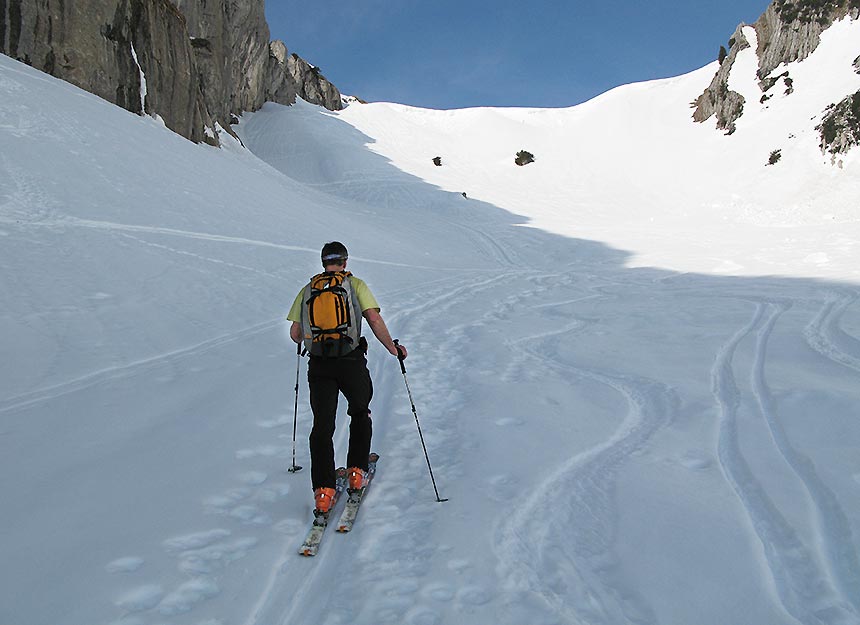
327	378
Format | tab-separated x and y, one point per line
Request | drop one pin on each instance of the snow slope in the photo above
643	406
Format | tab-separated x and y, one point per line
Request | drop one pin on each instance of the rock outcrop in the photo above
787	31
313	86
790	31
717	99
840	126
203	61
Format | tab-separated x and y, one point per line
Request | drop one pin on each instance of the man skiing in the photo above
326	316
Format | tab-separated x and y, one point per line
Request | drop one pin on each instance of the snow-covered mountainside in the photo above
635	361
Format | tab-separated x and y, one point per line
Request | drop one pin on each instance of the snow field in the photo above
633	423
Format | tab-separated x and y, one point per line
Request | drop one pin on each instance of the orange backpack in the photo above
331	317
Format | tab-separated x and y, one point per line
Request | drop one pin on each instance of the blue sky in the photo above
545	53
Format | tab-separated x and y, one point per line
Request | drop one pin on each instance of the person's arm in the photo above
296	332
295	316
380	331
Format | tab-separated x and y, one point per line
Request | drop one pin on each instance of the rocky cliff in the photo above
787	31
717	99
194	63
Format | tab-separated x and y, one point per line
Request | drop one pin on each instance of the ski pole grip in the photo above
399	355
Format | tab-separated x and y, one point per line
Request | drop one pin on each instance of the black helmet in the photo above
334	253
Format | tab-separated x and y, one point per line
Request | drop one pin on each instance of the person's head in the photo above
334	254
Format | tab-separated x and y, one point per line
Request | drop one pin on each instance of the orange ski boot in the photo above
356	478
323	498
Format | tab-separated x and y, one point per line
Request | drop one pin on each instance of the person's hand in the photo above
399	351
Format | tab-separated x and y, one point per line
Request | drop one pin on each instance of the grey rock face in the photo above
313	86
791	31
89	43
840	126
204	61
717	99
787	31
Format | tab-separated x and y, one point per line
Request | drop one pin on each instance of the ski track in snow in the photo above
806	592
132	368
575	541
826	337
410	559
404	544
69	221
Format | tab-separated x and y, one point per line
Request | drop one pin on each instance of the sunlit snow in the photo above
635	362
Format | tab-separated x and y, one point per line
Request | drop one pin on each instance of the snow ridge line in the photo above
207	259
129	369
68	221
800	587
833	524
576	540
824	335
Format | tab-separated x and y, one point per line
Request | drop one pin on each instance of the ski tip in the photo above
374	457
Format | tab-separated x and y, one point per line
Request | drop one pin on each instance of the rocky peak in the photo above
788	31
203	61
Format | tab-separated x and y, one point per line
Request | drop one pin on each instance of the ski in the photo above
355	496
315	534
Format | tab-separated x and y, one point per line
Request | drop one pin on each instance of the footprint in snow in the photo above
400	587
474	595
696	461
253	478
502	487
439	592
203	561
141	598
273	493
459	565
250	515
422	616
508	421
188	595
290	526
226	502
124	565
197	540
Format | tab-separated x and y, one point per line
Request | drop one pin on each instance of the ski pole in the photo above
400	358
295	467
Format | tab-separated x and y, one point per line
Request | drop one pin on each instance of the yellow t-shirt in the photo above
366	300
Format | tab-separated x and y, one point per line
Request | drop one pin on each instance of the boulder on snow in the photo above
524	158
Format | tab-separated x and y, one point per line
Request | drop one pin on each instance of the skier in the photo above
326	315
